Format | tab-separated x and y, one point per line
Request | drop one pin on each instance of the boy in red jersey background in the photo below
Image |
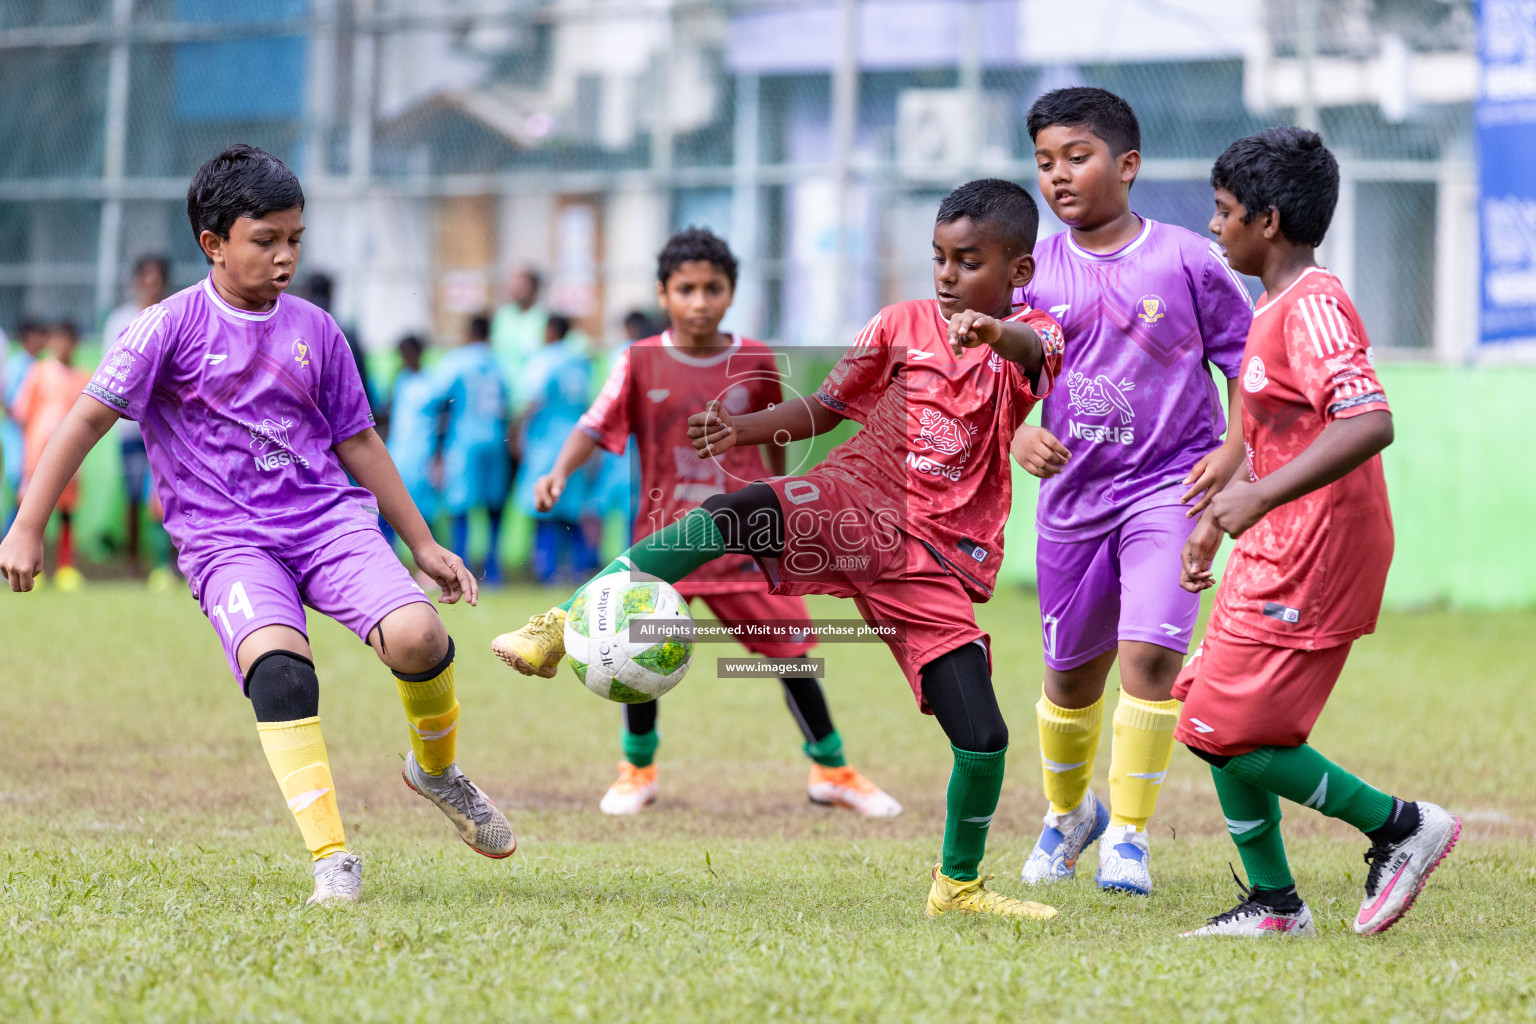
1314	540
655	384
906	517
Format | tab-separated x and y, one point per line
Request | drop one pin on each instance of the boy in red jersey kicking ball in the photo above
906	517
1314	539
254	415
654	386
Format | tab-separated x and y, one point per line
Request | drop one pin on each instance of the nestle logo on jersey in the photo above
270	434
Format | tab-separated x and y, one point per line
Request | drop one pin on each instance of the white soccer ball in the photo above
608	658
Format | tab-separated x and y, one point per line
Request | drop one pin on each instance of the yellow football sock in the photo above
296	752
433	714
1069	739
1139	756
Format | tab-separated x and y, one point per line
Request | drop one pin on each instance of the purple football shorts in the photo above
1120	585
356	579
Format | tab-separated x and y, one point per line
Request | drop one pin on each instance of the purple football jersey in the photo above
240	412
1135	402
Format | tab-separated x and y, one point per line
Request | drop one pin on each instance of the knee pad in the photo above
750	520
283	687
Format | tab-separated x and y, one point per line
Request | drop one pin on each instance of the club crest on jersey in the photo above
270	434
1151	308
1254	378
301	353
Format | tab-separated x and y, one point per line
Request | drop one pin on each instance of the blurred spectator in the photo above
414	416
151	277
476	467
638	324
32	338
47	394
517	329
552	396
320	289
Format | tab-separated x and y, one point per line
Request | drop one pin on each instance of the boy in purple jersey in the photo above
1130	440
253	413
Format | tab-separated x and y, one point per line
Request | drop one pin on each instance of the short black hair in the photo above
480	328
1286	168
410	343
1005	206
691	245
559	325
1099	110
242	181
320	288
65	325
153	259
30	326
638	323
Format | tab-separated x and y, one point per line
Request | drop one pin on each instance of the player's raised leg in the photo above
668	554
957	687
411	640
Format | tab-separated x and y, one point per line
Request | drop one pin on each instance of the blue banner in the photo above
1506	129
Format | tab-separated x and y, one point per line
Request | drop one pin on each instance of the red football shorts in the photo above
1240	694
760	606
835	544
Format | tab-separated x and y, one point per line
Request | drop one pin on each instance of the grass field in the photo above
151	871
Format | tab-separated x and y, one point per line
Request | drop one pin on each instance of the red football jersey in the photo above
651	391
936	429
1311	573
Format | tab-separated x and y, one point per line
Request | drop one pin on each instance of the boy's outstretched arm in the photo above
21	553
1342	446
365	457
715	431
1015	341
578	448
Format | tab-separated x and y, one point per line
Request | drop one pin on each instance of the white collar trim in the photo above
691	360
240	314
1299	278
1120	253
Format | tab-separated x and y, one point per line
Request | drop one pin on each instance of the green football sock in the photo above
1304	776
974	786
1253	819
640	747
827	751
670	553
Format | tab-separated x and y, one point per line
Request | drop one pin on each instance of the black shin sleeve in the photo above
957	687
283	687
640	719
750	520
1216	760
808	704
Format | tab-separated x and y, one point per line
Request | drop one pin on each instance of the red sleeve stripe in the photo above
1325	325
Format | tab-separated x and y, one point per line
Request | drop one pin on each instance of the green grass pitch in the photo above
151	872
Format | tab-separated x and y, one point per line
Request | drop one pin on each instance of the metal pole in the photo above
845	109
360	155
1306	56
114	149
744	201
970	85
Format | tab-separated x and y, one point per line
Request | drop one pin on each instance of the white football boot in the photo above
845	787
1062	841
1123	860
1256	919
1399	870
338	880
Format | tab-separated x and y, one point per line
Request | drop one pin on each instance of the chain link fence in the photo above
443	143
